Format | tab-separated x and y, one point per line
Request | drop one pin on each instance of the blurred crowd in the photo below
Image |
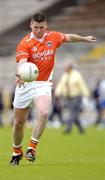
73	104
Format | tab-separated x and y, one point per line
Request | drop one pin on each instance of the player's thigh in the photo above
43	103
20	115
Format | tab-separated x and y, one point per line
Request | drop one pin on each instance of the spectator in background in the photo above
96	97
73	88
6	104
102	102
1	107
56	109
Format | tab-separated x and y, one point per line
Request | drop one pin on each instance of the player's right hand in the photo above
18	81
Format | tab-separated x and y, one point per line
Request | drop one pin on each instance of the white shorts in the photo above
24	96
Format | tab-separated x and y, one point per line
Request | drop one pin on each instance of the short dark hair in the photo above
39	17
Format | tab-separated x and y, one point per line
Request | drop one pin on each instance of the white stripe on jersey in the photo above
21	53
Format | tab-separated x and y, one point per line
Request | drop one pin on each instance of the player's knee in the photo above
44	114
18	124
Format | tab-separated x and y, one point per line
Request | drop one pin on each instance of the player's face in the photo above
38	29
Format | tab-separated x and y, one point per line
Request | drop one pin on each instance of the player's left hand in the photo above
90	39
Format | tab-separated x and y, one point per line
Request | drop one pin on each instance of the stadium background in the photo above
84	17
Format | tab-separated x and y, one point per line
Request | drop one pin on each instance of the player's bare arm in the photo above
77	38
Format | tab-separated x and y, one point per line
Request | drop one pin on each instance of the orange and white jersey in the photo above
40	52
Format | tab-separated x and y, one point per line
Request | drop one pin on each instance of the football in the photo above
28	72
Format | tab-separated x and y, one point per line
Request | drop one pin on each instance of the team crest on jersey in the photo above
49	43
34	49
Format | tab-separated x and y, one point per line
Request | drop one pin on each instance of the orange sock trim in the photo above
32	144
17	150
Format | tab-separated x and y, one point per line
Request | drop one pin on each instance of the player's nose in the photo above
38	29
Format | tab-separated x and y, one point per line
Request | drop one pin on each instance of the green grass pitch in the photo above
59	156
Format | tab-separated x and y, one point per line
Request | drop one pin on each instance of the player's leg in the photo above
22	100
42	103
18	133
19	121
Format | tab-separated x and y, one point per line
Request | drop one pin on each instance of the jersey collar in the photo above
38	39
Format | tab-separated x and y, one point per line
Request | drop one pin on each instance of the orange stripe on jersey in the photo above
40	51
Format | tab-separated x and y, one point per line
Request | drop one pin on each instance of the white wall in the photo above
12	11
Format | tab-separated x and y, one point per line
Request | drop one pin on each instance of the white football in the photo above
28	72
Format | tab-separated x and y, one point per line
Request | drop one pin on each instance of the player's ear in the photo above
46	26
